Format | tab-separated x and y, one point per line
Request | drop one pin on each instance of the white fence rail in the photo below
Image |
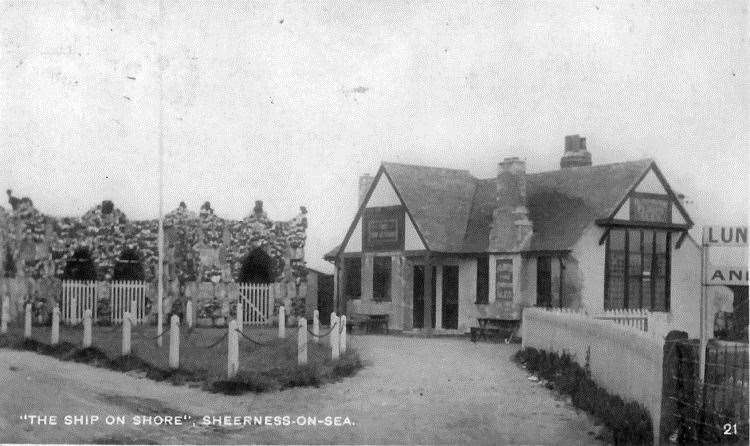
128	296
257	303
630	318
77	297
624	360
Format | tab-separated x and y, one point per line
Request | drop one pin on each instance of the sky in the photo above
290	102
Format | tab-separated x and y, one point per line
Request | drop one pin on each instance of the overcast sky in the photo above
289	102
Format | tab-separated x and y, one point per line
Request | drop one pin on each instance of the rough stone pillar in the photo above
302	341
27	322
174	342
233	350
126	334
55	336
87	329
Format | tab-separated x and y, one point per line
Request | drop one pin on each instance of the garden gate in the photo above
79	296
257	302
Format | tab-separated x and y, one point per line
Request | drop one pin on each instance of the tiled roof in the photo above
453	210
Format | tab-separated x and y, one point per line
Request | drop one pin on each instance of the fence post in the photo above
302	341
174	342
74	311
27	322
87	329
126	333
334	338
133	310
342	341
282	322
55	336
240	316
5	314
189	313
233	349
316	326
332	320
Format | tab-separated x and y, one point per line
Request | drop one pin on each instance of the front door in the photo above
450	296
418	297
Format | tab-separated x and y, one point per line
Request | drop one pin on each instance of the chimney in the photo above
575	154
510	223
365	181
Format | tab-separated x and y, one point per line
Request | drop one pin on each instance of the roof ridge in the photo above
426	167
648	160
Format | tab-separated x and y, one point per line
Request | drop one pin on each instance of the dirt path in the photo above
428	391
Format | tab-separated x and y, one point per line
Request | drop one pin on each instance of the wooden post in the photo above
342	340
240	315
174	342
334	338
302	341
5	315
316	327
332	320
189	313
126	334
233	349
427	317
27	322
282	322
133	310
87	329
55	336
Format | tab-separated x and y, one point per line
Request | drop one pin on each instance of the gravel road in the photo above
414	390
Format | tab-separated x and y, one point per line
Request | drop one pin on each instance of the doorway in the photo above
544	282
450	296
418	297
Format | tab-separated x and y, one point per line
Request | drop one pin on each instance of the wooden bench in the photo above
368	322
501	328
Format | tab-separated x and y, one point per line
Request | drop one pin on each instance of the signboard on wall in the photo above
726	236
383	228
650	207
504	279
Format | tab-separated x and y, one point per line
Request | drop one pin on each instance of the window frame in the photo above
348	276
627	277
483	281
387	297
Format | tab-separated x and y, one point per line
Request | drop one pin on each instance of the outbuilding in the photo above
436	249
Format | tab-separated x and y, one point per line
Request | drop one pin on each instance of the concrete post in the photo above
342	339
189	313
55	336
333	320
133	309
74	315
316	327
335	338
27	322
126	334
5	315
282	322
87	329
174	342
302	341
240	316
233	350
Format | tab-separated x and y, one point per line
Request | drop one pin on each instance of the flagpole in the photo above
160	279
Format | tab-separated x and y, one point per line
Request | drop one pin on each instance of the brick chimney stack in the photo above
365	181
575	154
510	223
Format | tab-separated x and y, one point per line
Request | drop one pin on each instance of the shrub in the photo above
629	422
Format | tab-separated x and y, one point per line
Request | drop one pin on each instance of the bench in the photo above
368	322
502	328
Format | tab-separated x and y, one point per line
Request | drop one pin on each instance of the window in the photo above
381	279
504	279
637	270
353	277
483	280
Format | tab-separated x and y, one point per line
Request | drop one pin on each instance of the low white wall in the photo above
623	360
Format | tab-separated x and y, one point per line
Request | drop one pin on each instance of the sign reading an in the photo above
726	275
725	236
650	207
383	228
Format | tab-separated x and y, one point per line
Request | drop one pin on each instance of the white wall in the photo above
685	288
589	274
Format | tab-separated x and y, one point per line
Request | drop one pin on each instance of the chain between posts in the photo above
325	334
250	339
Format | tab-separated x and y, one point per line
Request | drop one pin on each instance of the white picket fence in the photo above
636	318
79	296
257	303
128	296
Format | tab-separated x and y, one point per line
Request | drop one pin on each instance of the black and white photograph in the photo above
374	222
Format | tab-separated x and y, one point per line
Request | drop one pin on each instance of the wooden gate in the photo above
129	295
77	297
257	302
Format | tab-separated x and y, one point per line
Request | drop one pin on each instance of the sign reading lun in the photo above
725	236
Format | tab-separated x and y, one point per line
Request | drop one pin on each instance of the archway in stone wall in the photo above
9	264
128	266
257	267
80	266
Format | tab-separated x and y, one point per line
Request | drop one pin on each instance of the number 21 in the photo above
730	429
